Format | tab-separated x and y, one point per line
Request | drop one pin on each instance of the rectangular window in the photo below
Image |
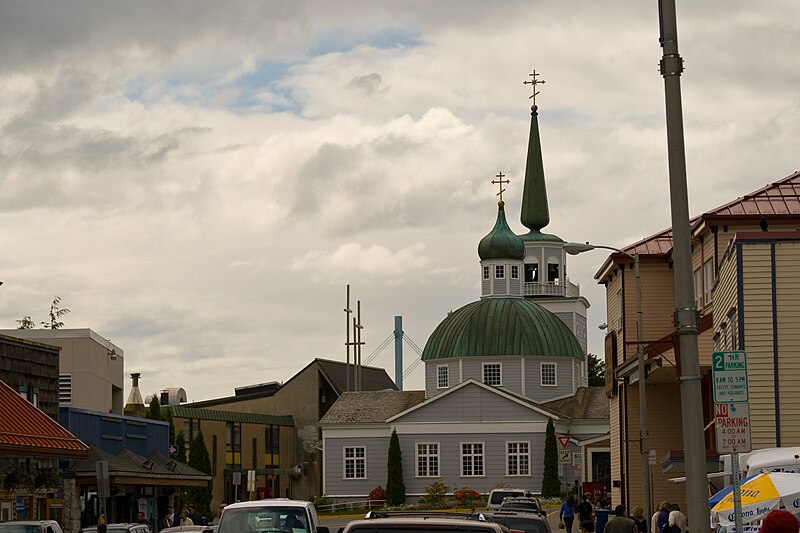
471	459
355	462
442	376
514	271
492	374
233	437
531	273
552	272
733	319
698	289
620	310
65	389
518	459
708	280
549	375
499	271
486	272
428	459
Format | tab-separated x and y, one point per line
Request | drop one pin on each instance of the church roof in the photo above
371	407
501	242
587	402
501	326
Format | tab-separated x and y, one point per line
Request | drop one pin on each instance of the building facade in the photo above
744	256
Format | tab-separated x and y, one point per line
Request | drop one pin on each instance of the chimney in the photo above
135	406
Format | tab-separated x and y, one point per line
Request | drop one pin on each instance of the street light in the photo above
575	248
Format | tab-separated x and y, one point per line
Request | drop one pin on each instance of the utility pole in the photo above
348	311
686	318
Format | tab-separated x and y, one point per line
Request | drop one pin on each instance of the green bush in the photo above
434	494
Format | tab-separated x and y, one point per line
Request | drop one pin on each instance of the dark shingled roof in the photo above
372	378
587	402
371	407
130	464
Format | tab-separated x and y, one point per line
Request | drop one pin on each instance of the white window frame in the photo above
620	310
514	271
555	374
697	276
354	461
499	272
442	378
485	272
499	374
474	458
431	460
519	455
708	280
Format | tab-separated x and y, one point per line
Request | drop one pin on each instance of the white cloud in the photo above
353	259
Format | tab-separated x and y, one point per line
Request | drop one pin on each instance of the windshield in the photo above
264	520
499	495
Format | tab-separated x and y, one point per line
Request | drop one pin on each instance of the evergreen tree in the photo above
167	413
180	444
154	409
395	487
597	371
199	460
551	485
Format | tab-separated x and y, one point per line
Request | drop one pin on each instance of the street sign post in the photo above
732	422
564	457
729	374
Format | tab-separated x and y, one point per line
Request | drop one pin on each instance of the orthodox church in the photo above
496	370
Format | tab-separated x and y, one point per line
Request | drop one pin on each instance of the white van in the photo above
497	496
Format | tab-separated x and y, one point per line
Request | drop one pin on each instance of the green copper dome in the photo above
501	326
501	242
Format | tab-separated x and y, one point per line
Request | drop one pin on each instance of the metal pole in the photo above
737	492
686	320
347	310
644	436
398	352
358	347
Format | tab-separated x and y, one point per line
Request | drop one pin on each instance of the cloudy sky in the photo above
199	181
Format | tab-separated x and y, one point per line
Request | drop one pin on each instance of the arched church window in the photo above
531	272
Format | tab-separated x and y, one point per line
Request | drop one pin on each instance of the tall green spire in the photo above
535	213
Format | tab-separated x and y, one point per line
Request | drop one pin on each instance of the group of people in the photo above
189	517
668	518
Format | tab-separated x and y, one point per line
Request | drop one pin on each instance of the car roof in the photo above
451	523
270	502
524	514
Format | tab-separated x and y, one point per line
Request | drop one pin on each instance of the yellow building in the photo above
746	261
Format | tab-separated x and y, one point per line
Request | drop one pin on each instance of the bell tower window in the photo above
531	272
552	272
499	271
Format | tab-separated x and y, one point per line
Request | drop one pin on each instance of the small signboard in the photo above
651	457
729	373
564	457
732	422
564	440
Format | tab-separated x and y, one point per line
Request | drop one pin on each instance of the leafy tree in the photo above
395	487
180	444
551	485
154	409
55	315
199	460
597	371
434	494
26	323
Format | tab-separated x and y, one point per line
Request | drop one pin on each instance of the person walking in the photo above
676	523
585	509
662	518
567	514
185	520
639	523
619	523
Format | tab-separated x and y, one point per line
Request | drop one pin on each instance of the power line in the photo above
376	352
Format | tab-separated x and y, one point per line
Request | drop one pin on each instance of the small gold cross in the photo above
500	182
533	83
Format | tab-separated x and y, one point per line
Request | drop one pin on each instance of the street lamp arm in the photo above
575	248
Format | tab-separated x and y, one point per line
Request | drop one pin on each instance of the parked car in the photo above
271	515
528	505
497	496
527	522
122	527
412	522
30	526
188	529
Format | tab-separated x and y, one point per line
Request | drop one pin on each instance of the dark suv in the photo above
415	522
521	521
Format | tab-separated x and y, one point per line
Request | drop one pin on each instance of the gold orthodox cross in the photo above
500	182
533	83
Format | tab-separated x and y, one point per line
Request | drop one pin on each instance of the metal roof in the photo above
501	326
501	242
27	431
181	411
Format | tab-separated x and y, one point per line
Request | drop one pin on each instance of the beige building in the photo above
91	368
746	260
303	401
